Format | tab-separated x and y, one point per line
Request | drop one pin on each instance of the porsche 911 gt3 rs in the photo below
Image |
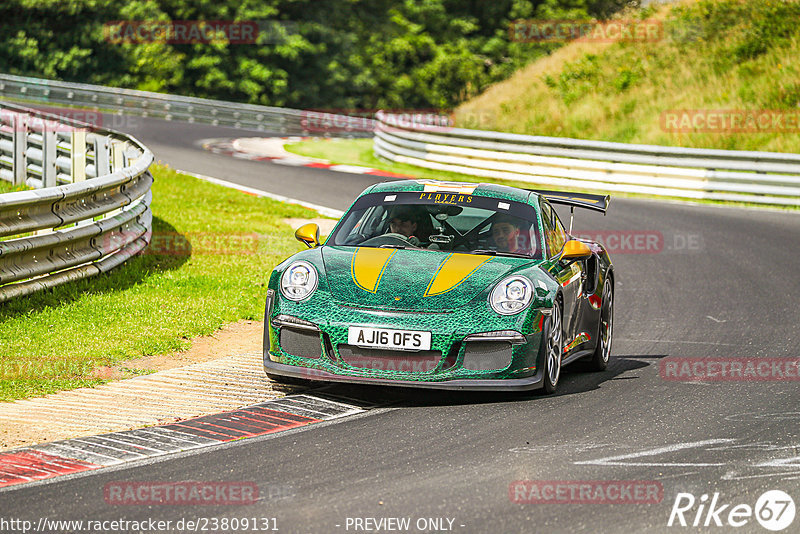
443	285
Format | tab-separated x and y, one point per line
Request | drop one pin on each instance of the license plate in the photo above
386	338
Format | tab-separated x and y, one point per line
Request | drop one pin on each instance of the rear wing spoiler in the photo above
576	200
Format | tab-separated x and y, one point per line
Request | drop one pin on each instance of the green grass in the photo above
154	303
359	152
8	187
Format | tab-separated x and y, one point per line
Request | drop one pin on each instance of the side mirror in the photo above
308	234
575	250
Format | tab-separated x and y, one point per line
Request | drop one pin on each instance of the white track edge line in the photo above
322	210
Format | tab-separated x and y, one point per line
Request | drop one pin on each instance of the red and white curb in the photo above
237	148
49	460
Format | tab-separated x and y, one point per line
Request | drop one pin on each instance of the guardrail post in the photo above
101	159
117	163
20	141
78	155
117	151
49	154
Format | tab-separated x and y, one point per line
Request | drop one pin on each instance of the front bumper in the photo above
463	384
328	358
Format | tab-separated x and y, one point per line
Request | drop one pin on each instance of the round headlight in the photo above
511	295
299	280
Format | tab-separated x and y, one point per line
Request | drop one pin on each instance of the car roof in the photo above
467	188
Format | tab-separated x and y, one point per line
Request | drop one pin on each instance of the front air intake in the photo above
486	355
304	344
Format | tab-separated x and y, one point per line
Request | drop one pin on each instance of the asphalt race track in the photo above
713	282
178	145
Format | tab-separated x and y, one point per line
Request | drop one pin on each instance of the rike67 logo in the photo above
774	510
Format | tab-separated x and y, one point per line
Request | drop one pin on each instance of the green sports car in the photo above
442	285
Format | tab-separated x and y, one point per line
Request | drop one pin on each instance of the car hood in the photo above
412	279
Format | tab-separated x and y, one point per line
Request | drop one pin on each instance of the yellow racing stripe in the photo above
368	266
453	271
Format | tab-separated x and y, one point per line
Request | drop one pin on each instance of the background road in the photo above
724	283
178	144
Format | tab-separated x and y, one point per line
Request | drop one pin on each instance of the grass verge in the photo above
359	152
212	253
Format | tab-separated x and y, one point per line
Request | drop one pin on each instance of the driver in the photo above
409	222
403	221
508	236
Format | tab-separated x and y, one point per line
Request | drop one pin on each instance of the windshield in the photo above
441	221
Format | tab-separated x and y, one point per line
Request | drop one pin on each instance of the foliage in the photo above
323	54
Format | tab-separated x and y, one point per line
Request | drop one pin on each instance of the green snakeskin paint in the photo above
399	303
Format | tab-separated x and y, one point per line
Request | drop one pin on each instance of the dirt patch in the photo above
234	338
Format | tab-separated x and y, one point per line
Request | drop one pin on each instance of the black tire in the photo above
605	330
552	350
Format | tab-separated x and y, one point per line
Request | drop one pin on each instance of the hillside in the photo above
733	62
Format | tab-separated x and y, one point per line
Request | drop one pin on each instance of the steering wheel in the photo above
391	238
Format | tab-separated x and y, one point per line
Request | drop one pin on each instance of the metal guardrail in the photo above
180	108
757	177
89	211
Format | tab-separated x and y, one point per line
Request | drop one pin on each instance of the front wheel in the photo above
602	353
553	350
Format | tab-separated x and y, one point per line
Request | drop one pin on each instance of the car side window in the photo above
553	229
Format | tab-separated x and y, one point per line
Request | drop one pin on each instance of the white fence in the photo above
756	177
